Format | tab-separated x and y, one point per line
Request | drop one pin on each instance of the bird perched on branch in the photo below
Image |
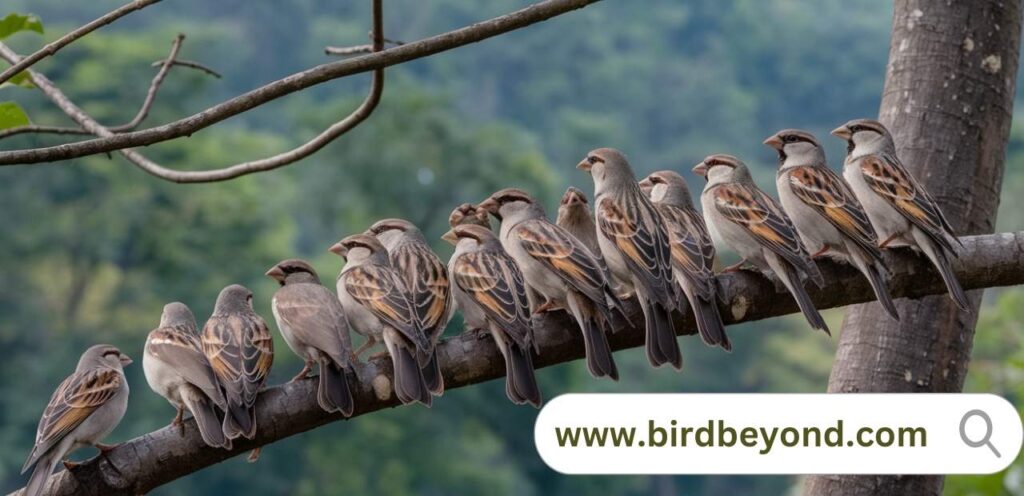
827	215
469	214
83	410
177	369
753	225
313	324
693	253
426	278
900	209
635	245
379	306
489	288
560	269
241	351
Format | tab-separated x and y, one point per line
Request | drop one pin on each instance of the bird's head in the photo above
606	163
796	147
506	202
863	132
661	185
292	269
720	168
357	247
177	314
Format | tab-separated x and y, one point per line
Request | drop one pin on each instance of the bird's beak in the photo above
339	249
489	205
701	169
774	141
584	165
842	132
125	360
450	237
275	273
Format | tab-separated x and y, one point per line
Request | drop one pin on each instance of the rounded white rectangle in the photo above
778	433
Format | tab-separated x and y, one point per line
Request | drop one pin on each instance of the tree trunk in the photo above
948	102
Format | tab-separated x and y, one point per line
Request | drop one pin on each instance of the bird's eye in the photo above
789	138
592	160
856	129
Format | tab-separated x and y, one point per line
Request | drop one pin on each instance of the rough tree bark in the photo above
154	459
948	100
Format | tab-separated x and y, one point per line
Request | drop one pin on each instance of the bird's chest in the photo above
814	229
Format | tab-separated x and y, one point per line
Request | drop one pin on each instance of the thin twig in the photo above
359	49
191	64
52	47
35	129
296	82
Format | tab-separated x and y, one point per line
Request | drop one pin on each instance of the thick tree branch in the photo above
63	41
470	358
326	72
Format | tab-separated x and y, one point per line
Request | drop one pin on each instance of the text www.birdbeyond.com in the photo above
717	434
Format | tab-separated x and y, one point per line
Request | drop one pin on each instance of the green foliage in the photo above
11	115
21	80
15	23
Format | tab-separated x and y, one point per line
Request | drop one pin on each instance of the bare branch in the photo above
191	64
144	109
63	41
159	457
326	72
358	49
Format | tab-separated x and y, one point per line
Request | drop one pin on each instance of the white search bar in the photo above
778	433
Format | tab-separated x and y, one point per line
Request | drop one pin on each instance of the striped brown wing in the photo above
379	290
429	289
824	191
636	229
493	280
693	252
241	352
564	255
74	400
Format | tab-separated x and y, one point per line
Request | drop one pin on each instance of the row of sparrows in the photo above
644	239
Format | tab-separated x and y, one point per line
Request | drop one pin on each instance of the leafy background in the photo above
92	249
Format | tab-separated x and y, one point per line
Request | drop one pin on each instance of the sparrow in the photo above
753	225
379	306
635	245
313	324
489	288
693	253
176	368
827	215
900	209
559	268
83	410
575	217
468	214
426	277
238	344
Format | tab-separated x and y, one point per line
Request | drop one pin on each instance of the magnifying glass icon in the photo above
986	439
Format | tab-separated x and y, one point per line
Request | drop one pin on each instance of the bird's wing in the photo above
427	280
379	290
762	218
74	400
821	189
182	350
241	352
890	180
692	248
638	232
493	280
564	255
315	317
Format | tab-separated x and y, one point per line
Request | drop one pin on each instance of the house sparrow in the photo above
313	324
240	349
559	268
379	306
426	277
489	288
753	225
176	368
635	245
693	253
899	208
83	410
827	215
468	214
575	217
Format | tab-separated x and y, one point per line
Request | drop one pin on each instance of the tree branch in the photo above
326	72
159	457
191	64
63	41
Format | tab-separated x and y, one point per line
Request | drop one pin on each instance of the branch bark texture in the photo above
948	101
159	457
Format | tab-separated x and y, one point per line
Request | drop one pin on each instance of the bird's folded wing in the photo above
692	249
765	222
639	234
494	281
887	177
75	399
315	317
564	255
427	280
822	190
182	350
379	290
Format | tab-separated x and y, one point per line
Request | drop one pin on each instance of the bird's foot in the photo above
738	266
106	448
626	295
890	239
70	465
822	251
379	354
548	306
254	455
178	421
367	345
304	373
